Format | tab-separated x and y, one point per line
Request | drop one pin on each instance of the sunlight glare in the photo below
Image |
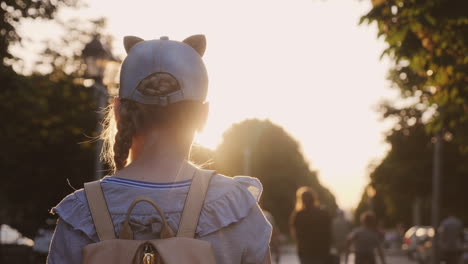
306	65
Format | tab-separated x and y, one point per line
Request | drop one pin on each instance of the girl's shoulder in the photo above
229	200
221	185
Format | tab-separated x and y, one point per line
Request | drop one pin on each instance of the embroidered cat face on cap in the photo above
153	58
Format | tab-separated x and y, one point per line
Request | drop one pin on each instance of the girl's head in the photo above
163	87
305	198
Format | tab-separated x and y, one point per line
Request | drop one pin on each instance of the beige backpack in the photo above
169	249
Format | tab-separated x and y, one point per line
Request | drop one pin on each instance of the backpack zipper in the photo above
149	255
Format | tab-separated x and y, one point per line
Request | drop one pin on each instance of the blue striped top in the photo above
144	184
230	219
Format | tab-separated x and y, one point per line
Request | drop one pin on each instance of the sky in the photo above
306	65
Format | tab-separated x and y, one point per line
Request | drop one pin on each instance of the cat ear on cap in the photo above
130	41
197	42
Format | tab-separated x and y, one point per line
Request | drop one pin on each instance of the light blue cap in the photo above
182	60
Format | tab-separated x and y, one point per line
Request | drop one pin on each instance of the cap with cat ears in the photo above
182	60
197	42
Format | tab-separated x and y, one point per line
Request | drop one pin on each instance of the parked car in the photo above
418	243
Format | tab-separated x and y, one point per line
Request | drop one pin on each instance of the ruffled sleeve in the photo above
74	211
229	200
66	245
253	185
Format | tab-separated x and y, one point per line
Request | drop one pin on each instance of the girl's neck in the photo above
157	158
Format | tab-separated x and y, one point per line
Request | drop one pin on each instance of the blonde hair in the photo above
305	198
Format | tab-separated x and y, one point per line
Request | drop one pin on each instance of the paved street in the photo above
289	257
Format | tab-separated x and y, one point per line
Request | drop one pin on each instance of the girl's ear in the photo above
116	108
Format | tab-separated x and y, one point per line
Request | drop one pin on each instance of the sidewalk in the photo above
288	256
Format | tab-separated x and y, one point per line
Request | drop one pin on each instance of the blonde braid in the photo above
126	130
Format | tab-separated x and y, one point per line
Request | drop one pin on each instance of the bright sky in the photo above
304	64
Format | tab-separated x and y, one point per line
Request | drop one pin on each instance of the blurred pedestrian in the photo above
341	228
365	241
451	239
311	227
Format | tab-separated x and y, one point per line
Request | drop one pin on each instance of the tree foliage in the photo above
405	174
64	53
49	120
276	159
13	12
45	119
427	40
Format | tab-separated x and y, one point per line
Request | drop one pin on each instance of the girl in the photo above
163	87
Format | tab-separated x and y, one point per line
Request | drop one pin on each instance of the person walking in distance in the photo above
341	228
451	239
365	240
311	227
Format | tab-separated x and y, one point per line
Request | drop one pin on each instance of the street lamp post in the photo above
99	61
436	193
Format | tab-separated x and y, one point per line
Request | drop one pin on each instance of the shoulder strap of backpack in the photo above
99	211
194	203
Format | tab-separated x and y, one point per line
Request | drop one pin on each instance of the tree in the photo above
64	53
45	141
50	121
275	158
427	43
405	174
13	12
